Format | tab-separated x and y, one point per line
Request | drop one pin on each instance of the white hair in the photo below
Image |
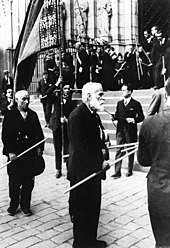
19	94
89	88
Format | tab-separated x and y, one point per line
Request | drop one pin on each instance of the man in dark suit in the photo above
83	66
154	151
87	154
132	70
58	123
8	101
157	57
107	69
21	130
46	98
128	114
7	82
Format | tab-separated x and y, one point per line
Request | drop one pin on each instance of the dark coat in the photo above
4	106
84	76
154	151
45	90
107	71
7	84
67	109
19	134
167	62
85	149
131	72
132	110
158	102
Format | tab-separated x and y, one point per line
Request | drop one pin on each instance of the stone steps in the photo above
111	99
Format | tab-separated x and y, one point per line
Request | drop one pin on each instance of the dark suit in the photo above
158	102
44	90
131	73
154	151
7	83
55	126
158	50
85	158
84	76
17	136
107	71
4	106
127	132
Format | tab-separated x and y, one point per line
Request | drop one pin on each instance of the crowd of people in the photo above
143	66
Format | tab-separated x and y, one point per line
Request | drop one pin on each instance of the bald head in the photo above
22	99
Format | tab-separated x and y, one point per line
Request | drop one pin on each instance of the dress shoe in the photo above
11	211
58	174
129	174
116	175
26	212
94	244
98	244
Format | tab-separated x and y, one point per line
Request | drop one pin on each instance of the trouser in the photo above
158	78
20	190
47	108
57	140
84	204
161	229
122	138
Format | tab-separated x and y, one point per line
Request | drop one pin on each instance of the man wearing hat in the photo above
7	82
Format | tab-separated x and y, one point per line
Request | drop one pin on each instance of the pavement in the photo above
124	220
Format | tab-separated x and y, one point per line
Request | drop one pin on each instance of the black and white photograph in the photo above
84	123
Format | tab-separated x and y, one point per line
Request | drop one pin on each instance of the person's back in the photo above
158	102
158	140
154	151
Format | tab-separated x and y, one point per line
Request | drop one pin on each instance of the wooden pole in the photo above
117	146
21	154
97	173
163	67
129	148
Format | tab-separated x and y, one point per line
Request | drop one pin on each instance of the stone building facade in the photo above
118	22
113	21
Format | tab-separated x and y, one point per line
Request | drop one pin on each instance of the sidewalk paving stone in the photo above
124	220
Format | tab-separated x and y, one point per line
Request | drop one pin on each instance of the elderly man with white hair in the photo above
87	155
21	130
